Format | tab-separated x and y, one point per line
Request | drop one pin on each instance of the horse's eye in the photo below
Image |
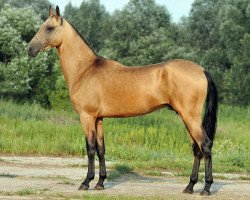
50	28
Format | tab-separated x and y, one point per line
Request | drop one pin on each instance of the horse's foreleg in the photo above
195	171
100	147
88	123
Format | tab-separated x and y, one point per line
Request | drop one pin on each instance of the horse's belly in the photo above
132	106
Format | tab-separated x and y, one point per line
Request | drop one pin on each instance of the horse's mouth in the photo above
32	51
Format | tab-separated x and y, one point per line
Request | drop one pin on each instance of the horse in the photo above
100	87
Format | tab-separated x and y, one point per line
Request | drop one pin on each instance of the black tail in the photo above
210	117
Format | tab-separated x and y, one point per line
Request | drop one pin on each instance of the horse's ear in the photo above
50	11
57	12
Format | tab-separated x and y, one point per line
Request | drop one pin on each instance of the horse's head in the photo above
49	34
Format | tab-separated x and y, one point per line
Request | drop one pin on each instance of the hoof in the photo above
188	191
83	187
205	193
98	187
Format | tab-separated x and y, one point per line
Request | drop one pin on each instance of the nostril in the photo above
29	50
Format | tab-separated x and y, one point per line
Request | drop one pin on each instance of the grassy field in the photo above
155	141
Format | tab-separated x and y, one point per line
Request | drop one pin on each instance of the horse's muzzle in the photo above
33	48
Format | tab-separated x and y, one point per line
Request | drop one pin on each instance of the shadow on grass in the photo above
215	187
123	173
218	185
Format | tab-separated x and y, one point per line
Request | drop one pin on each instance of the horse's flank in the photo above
105	88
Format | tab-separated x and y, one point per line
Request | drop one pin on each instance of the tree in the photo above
235	33
152	48
21	78
200	32
217	32
141	26
59	97
40	8
91	20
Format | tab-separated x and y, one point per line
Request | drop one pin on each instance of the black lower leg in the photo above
206	148
208	176
91	165
195	171
102	166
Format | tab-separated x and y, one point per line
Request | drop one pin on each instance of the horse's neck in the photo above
75	55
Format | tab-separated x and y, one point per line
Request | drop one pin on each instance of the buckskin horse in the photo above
100	88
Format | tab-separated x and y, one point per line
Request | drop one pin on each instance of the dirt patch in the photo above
43	177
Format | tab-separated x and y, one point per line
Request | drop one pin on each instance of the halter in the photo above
45	44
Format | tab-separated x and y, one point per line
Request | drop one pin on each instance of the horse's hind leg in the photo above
88	124
193	125
202	147
206	151
194	176
100	147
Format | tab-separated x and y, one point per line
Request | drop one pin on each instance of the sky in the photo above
177	8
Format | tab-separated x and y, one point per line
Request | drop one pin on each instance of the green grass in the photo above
154	173
26	191
152	142
63	180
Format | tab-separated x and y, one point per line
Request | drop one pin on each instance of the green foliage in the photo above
59	97
23	20
217	32
20	74
16	66
202	26
22	78
134	33
91	20
40	8
158	44
234	30
200	33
